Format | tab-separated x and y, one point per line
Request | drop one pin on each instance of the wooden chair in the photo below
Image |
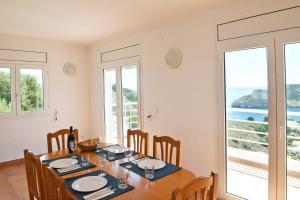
139	139
34	176
54	186
202	188
165	154
61	141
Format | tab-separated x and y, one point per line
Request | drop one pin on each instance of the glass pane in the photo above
292	57
110	106
32	95
247	123
131	117
5	90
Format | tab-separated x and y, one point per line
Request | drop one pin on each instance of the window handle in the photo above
280	132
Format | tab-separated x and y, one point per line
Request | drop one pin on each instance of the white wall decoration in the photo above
173	58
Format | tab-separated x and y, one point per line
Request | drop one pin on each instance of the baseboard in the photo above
12	162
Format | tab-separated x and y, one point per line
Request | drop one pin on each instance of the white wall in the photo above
186	97
70	95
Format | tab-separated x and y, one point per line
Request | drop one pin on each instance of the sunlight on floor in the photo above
246	181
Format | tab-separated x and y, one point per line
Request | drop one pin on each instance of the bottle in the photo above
71	138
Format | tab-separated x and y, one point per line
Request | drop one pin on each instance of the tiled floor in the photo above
13	184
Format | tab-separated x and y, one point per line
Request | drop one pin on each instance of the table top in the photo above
143	188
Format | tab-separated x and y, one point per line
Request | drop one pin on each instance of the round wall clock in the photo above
173	58
70	69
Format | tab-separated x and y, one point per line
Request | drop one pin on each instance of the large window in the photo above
247	122
22	89
121	84
261	120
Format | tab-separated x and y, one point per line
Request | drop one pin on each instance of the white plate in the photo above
117	149
89	183
63	163
149	163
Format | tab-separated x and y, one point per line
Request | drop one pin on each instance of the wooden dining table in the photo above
144	189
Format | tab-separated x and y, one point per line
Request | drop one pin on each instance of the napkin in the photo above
99	194
136	161
63	170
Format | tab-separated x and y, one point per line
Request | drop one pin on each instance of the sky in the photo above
292	55
248	68
129	77
38	73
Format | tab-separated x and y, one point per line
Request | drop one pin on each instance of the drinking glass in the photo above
128	153
73	146
83	160
99	144
149	172
111	154
122	181
101	162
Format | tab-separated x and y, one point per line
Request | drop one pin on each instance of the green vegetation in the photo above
31	96
293	95
250	119
5	97
130	95
261	137
32	93
250	126
130	110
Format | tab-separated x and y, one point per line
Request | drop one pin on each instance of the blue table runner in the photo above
89	165
159	173
110	181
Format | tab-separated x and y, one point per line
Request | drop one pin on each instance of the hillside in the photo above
259	98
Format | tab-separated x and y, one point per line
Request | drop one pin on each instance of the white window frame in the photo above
16	88
266	40
12	90
118	65
277	154
282	38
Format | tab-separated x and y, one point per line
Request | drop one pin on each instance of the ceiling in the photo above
84	21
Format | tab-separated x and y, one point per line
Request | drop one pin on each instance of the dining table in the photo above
144	189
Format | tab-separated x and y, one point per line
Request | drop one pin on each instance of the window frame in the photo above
283	38
12	90
117	65
16	89
266	40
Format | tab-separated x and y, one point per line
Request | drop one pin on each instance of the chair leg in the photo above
31	197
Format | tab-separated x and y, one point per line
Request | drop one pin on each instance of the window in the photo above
121	82
261	117
22	89
7	106
246	83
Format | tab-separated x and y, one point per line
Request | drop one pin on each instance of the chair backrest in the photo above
139	139
53	184
60	138
165	142
34	176
202	188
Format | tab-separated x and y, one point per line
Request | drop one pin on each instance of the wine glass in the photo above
73	147
99	141
128	154
101	162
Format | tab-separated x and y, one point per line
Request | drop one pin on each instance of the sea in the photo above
293	114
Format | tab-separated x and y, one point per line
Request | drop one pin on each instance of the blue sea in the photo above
258	114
